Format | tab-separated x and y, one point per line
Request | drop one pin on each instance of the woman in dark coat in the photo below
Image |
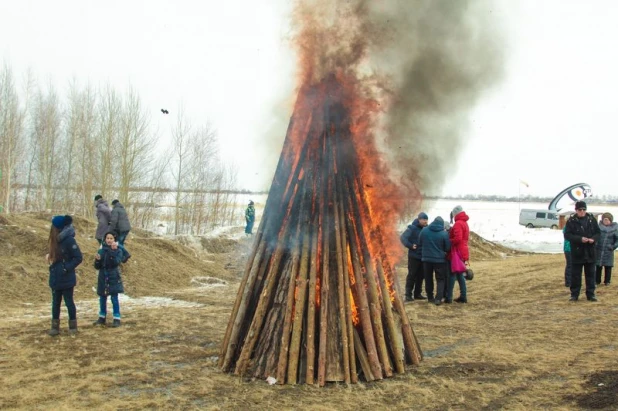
608	242
64	255
107	261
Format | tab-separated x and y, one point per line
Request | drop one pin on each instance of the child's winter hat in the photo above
97	197
61	221
115	202
458	209
610	216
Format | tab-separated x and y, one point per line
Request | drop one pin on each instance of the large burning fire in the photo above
319	300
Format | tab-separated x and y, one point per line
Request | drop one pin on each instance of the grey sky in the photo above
551	122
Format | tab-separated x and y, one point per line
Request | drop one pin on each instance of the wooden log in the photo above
289	307
324	291
240	308
341	290
363	358
301	286
396	346
372	287
348	296
311	303
363	306
270	281
239	298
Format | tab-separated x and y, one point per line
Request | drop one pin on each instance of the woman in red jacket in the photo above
459	236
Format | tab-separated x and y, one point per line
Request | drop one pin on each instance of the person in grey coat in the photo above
608	242
104	215
119	222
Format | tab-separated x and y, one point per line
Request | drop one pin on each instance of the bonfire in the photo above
319	299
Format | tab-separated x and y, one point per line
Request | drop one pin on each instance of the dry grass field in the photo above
517	345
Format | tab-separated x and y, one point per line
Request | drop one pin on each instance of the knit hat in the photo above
61	221
115	202
608	215
447	225
250	202
98	196
422	216
458	209
439	220
581	204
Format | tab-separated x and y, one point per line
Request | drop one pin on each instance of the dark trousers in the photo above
440	270
608	274
576	279
414	280
67	295
567	269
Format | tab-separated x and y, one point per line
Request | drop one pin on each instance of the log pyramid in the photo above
318	301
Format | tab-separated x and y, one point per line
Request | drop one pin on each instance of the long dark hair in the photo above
55	253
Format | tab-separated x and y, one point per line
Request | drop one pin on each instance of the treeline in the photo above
57	151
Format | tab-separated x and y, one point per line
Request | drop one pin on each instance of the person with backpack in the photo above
63	257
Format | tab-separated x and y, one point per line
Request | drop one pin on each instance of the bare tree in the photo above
135	146
11	122
201	176
110	119
180	168
45	135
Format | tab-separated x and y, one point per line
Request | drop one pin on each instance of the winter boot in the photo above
116	323
55	328
73	327
99	321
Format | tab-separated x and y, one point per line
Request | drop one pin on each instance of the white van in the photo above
538	218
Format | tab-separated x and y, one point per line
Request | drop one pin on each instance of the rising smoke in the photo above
427	61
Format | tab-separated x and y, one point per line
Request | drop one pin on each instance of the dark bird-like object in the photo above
164	111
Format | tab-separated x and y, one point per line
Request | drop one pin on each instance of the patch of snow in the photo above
208	282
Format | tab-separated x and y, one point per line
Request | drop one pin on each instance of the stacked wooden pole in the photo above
318	301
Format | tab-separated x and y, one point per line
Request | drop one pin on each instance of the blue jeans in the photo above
122	237
115	306
462	285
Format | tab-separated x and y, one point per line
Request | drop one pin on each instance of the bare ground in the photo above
518	344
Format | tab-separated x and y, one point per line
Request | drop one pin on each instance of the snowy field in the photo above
499	222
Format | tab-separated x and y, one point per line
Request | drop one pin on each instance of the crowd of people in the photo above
437	251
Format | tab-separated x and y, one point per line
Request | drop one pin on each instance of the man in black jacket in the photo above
582	230
414	280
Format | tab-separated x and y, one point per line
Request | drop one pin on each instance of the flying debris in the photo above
570	196
164	111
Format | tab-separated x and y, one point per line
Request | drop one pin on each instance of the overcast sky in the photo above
551	122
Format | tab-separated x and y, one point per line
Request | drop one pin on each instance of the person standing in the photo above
104	216
567	256
107	261
249	218
119	222
608	242
409	238
459	236
435	245
64	255
582	231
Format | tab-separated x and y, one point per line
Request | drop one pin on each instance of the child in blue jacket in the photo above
107	261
